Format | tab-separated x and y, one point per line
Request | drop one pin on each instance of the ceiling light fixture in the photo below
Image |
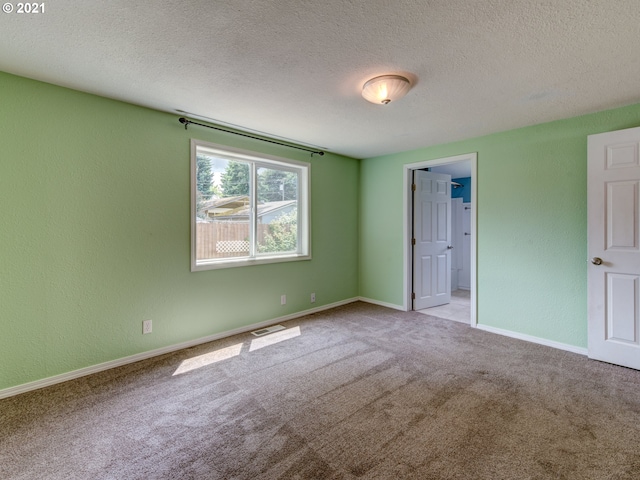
385	89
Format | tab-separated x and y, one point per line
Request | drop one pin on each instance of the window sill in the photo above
245	262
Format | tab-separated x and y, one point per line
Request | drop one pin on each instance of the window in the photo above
247	208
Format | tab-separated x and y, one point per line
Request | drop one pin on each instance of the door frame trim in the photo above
408	221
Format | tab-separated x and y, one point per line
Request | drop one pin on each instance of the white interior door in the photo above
432	239
614	250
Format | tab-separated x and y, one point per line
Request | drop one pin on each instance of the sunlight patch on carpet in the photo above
208	358
273	338
234	350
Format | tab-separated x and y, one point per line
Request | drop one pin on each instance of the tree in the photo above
282	235
204	176
235	179
204	183
277	185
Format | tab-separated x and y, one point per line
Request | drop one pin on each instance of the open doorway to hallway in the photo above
461	248
458	310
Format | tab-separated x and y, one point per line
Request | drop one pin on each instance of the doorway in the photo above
460	166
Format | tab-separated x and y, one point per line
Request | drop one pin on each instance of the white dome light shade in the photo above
385	89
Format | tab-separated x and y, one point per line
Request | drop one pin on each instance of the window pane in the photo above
223	206
277	210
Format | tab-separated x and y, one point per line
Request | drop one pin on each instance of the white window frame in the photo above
256	160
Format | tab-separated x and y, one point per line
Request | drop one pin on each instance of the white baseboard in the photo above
382	304
45	382
532	339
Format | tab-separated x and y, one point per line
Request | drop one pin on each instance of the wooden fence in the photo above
224	239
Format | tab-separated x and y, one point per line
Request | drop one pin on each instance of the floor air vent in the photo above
265	331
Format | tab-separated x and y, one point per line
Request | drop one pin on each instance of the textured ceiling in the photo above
295	68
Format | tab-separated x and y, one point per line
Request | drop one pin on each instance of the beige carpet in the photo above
361	392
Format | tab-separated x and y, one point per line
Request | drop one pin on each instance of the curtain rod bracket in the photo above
186	123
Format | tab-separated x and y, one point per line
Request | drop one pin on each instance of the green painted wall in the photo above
94	235
94	238
532	224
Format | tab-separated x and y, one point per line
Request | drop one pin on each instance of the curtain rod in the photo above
186	123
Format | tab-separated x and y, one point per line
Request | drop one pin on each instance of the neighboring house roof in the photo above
242	213
272	207
224	206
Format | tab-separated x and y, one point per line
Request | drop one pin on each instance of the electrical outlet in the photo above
146	327
283	299
313	298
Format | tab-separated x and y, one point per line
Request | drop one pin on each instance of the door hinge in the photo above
413	241
413	187
413	295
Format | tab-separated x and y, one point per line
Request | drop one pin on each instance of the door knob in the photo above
450	247
596	261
